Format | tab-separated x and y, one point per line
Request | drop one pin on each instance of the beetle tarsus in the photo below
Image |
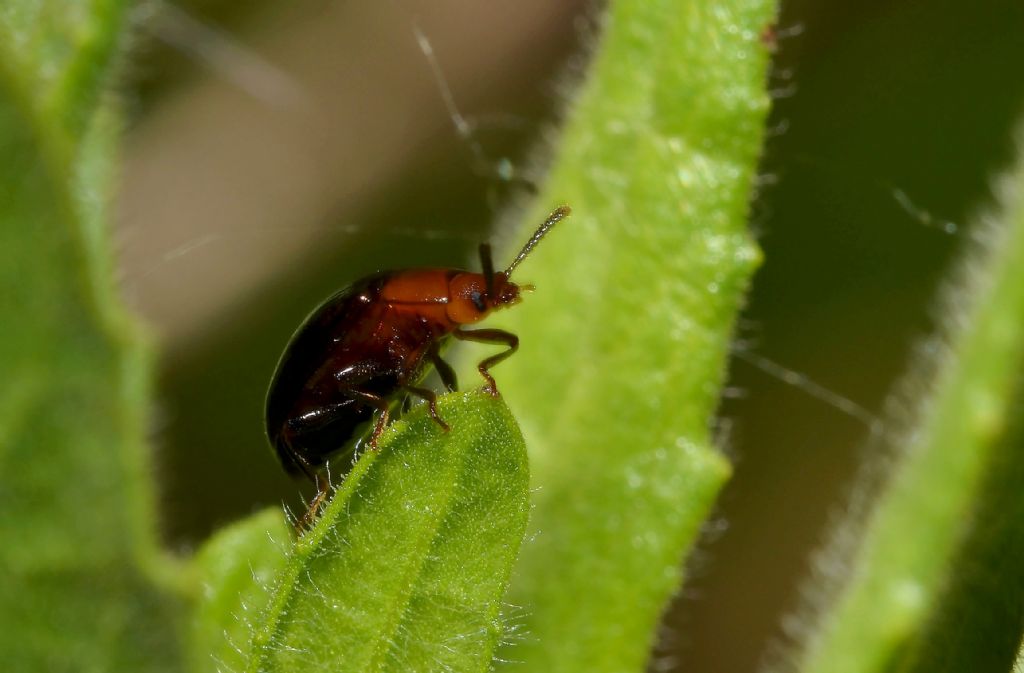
431	397
378	430
323	487
491	387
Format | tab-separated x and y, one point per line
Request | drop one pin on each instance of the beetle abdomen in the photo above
347	361
306	442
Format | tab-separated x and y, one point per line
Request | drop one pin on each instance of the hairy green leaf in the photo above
237	567
624	343
936	583
406	569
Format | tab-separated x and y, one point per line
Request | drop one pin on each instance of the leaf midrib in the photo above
385	639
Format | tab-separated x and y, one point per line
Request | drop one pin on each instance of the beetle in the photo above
367	347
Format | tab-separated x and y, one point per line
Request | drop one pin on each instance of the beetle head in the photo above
472	296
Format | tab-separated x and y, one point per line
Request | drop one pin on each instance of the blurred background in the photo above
277	151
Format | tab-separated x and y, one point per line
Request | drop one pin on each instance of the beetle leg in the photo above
444	370
378	429
431	397
490	336
323	487
304	465
382	406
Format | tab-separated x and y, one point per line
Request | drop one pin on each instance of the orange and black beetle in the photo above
369	345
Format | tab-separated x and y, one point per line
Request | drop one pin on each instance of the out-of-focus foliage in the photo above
935	581
83	586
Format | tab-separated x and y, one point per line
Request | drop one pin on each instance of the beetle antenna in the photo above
556	216
488	266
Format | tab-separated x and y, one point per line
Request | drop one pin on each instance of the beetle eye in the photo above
478	301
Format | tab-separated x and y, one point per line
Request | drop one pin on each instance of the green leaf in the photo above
236	569
624	343
83	585
56	56
406	569
936	581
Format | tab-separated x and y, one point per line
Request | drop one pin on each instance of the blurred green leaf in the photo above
406	569
56	57
624	343
84	586
936	581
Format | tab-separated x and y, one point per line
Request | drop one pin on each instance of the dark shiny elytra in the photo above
311	413
368	346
